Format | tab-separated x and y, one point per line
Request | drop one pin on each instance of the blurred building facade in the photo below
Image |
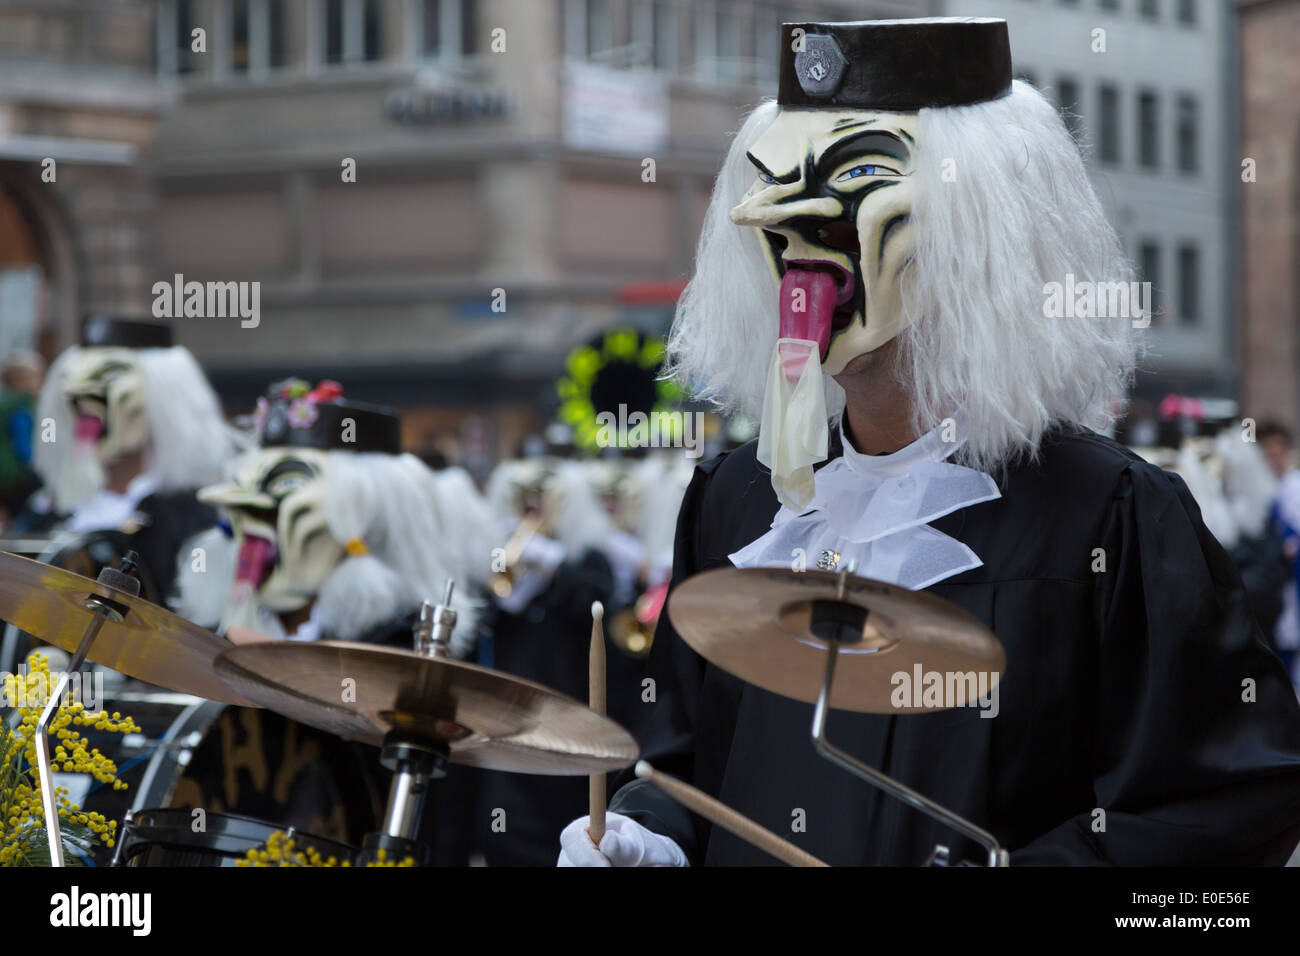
1270	148
528	172
79	106
439	198
1148	87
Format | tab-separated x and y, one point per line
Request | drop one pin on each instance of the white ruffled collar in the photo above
935	445
874	510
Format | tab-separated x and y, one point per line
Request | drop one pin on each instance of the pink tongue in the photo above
255	558
89	428
807	310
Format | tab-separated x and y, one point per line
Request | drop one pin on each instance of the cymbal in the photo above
756	623
487	718
150	643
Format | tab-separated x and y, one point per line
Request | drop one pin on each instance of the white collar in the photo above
874	510
937	444
109	510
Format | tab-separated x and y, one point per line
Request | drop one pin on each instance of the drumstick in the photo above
722	815
596	700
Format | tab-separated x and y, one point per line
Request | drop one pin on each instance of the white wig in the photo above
1248	483
1003	206
420	529
410	525
572	507
189	440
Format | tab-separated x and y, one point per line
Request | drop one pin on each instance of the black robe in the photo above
1122	692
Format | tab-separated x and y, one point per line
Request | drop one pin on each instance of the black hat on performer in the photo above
902	65
295	414
99	330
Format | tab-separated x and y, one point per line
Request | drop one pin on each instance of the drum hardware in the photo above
414	760
840	623
102	608
434	626
778	629
503	582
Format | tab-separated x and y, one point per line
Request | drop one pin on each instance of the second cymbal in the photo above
757	623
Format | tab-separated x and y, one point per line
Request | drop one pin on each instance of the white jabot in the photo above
875	509
108	510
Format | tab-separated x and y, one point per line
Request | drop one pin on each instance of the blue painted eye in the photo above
858	171
766	178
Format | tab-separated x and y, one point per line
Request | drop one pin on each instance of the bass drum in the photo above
255	763
170	838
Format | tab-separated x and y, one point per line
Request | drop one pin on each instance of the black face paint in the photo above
840	236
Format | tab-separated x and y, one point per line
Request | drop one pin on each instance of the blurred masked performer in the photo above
555	561
334	533
127	427
877	255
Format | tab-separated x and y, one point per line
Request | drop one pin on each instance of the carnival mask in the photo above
105	393
832	202
277	510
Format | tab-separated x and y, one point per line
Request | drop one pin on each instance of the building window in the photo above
600	27
333	31
175	23
1149	9
1108	125
705	29
1067	101
767	43
352	30
1148	130
654	33
240	55
588	27
726	32
1188	134
1187	11
371	42
443	19
1108	4
255	29
665	36
1189	284
276	27
1149	267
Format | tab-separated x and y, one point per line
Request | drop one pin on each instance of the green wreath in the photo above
620	368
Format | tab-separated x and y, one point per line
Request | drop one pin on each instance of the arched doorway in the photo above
38	300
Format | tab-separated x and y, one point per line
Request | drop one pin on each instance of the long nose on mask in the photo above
767	211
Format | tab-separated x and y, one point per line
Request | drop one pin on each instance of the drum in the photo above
177	837
254	763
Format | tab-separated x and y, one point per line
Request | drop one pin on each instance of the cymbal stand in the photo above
838	622
124	579
415	759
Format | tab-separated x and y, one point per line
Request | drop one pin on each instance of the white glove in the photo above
626	843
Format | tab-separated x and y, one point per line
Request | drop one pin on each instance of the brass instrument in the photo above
632	630
503	581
